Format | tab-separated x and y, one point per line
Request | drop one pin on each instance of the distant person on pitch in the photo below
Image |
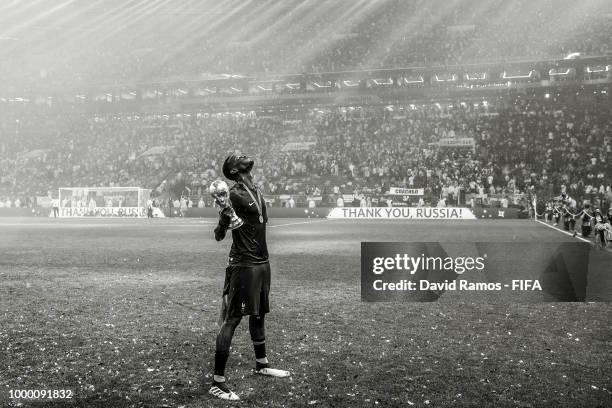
55	204
247	277
291	202
149	208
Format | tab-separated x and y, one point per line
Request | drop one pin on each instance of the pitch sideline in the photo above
570	234
297	223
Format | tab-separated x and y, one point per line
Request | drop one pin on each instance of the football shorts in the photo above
247	289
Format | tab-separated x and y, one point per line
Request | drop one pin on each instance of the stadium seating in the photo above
519	150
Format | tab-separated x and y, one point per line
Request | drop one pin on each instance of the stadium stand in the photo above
520	149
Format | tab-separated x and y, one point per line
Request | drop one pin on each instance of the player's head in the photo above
235	165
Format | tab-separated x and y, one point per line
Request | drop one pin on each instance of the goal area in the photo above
103	202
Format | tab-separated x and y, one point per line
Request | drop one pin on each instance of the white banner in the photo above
402	213
132	212
458	142
406	191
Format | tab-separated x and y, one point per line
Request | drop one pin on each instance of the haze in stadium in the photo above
369	203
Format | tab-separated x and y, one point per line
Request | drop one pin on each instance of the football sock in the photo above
258	336
261	360
260	349
220	362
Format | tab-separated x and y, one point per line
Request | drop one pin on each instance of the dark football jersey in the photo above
249	241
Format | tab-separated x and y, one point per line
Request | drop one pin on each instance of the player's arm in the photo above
225	217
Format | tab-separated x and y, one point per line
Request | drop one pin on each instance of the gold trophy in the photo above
220	192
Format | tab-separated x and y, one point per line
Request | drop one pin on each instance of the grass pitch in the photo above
123	313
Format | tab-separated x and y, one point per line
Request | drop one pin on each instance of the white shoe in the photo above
273	372
221	391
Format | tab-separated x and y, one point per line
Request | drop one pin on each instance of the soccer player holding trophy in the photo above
247	277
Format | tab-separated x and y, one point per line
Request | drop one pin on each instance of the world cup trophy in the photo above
220	192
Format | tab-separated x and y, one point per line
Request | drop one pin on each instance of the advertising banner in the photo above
457	142
406	191
408	213
131	212
348	198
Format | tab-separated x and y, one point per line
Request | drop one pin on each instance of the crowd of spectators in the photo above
521	148
299	36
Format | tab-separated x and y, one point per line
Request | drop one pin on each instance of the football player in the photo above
247	277
586	220
600	228
557	210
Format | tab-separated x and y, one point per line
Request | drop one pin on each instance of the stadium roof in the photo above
82	40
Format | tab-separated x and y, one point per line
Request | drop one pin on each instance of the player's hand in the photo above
225	216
